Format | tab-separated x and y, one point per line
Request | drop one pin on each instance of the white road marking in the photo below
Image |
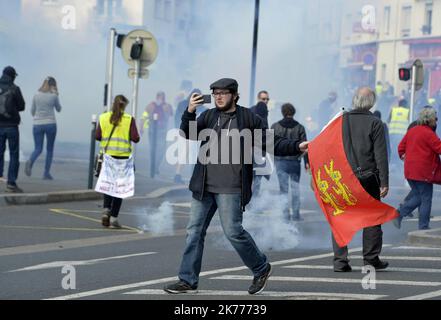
280	294
205	273
434	219
332	280
409	258
422	270
415	248
428	295
60	264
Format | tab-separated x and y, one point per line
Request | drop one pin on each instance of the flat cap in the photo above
225	83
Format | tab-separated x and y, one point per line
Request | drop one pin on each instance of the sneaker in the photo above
13	189
259	283
105	219
345	268
48	177
397	222
114	224
379	265
28	168
2	179
180	287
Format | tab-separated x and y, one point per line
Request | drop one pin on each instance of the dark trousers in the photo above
372	236
10	135
113	204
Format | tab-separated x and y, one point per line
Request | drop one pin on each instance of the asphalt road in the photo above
39	243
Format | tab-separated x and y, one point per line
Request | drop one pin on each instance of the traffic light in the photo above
404	74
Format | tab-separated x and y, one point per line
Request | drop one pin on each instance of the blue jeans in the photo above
230	214
39	131
288	173
419	197
12	136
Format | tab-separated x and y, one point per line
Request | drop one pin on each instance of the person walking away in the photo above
116	130
44	104
289	168
364	143
420	150
11	104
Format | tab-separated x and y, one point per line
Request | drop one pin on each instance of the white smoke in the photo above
264	221
159	221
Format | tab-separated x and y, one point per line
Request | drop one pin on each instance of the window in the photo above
406	15
49	2
386	19
107	7
427	27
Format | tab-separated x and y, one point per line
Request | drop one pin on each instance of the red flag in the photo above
346	205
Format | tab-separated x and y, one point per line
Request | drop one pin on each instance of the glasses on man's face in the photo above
220	93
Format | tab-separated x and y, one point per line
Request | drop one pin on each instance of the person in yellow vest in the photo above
119	146
379	88
398	123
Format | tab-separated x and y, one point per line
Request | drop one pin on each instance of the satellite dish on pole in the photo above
149	49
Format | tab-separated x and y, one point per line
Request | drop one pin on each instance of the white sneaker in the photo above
114	224
4	180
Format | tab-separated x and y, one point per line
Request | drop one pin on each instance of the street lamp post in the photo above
254	54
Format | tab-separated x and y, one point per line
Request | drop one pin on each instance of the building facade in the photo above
380	36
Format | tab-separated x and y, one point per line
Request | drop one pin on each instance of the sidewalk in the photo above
430	238
70	184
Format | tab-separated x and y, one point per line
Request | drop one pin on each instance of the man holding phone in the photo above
224	187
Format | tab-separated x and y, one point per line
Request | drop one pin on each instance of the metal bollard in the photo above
92	151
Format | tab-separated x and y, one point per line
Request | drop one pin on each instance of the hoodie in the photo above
292	130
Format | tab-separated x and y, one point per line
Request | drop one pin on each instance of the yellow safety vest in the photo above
379	89
119	144
145	117
399	120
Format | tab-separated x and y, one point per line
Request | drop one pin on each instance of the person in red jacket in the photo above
420	150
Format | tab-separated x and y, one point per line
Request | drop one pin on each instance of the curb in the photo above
430	238
49	197
77	195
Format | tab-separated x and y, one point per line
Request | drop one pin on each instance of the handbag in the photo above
100	157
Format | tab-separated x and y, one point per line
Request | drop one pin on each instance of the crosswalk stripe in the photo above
286	294
422	270
428	295
202	274
333	280
412	258
416	248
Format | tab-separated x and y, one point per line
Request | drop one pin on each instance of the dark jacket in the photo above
290	129
261	109
246	120
368	144
18	105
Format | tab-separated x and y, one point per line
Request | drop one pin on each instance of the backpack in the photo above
6	100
